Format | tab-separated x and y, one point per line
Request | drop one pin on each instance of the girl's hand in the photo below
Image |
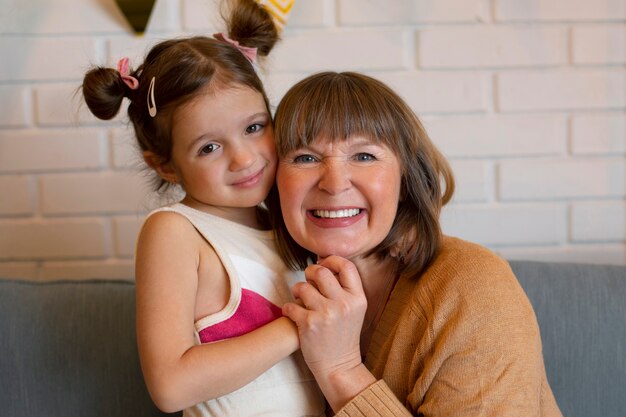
329	311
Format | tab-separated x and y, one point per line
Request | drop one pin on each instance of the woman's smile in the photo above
335	218
335	214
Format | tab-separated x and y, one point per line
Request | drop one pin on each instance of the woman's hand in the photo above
329	314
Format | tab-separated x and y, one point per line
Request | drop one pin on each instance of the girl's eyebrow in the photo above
259	114
201	138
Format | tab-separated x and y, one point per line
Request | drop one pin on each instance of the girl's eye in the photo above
207	149
364	157
253	128
304	159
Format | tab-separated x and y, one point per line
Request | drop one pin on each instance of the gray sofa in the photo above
68	348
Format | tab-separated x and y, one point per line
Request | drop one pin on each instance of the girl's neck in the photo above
247	216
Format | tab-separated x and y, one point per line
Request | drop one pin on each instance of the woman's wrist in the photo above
341	386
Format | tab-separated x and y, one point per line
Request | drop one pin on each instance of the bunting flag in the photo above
279	9
137	12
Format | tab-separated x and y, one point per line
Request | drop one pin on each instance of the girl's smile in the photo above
250	181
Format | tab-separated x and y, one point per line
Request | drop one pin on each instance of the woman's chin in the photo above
324	252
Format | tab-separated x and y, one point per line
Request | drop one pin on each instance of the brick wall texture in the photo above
526	98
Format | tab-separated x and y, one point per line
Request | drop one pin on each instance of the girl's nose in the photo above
242	157
335	176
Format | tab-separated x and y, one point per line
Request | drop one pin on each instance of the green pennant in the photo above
137	13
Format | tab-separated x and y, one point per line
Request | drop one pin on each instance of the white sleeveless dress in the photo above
259	286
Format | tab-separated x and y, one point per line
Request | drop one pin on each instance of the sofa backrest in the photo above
69	349
582	317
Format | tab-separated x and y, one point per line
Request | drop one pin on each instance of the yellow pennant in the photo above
279	9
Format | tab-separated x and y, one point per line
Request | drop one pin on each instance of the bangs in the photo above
335	107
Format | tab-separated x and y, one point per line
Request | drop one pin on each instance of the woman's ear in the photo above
165	170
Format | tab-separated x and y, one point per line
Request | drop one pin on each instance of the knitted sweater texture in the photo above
460	340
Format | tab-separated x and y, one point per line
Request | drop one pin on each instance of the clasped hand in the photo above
329	311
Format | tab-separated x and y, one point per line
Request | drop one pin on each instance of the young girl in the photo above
210	286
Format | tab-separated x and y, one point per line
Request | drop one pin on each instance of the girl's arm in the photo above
179	373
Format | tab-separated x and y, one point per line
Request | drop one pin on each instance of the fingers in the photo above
332	282
345	273
307	295
322	280
331	278
295	312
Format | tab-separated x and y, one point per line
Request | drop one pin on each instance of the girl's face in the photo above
223	151
339	198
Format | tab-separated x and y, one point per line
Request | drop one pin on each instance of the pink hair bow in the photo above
248	52
123	69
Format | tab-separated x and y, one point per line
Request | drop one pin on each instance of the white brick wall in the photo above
560	10
562	89
15	105
526	98
492	46
599	44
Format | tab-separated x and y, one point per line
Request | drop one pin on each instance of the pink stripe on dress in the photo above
253	312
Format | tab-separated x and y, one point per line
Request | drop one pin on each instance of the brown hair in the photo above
336	106
182	68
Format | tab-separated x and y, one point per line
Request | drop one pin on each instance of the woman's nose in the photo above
242	157
335	176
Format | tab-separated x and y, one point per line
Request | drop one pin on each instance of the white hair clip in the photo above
152	110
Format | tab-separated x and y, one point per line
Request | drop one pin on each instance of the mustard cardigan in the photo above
460	340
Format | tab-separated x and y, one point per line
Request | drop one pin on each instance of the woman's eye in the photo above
207	149
365	157
253	128
304	159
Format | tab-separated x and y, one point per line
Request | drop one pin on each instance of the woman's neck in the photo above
378	278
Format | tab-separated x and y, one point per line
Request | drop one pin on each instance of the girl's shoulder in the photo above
167	233
166	223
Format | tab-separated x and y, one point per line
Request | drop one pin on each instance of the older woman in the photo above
395	318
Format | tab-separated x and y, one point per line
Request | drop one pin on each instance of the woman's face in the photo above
339	198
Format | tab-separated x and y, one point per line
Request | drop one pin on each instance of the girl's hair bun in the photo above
104	90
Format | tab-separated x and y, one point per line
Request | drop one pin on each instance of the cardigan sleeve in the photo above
375	401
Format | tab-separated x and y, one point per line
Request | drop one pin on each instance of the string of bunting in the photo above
138	12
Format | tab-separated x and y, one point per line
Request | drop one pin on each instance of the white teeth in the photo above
336	214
